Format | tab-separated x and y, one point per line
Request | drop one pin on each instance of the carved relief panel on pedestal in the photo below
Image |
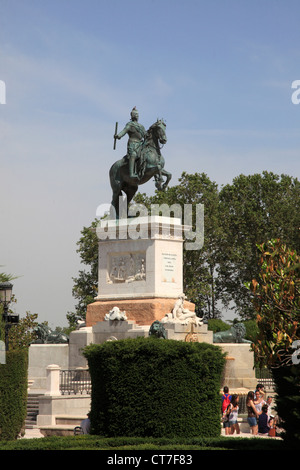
126	267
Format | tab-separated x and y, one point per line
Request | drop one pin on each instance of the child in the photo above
233	414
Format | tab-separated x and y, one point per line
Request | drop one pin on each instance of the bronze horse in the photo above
149	164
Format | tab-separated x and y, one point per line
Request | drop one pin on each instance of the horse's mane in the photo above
155	124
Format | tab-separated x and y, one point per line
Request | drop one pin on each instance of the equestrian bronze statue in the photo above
142	161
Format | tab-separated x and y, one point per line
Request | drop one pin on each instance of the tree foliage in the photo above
254	209
276	297
277	302
4	277
22	334
85	286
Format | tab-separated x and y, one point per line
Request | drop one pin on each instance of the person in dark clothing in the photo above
263	421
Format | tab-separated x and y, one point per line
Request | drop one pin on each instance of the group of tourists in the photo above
260	415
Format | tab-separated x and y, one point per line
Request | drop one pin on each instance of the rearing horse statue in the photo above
150	163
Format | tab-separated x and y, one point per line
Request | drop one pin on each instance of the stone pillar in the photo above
53	374
78	339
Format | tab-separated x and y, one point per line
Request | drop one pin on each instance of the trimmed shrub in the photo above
154	387
13	393
216	325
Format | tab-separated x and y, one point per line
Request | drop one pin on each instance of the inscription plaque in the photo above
169	264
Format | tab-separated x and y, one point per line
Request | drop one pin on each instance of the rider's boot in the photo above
132	174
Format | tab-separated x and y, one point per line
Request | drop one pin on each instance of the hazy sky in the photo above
219	72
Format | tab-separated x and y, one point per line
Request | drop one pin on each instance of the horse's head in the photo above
158	131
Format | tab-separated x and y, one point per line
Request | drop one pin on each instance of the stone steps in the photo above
32	410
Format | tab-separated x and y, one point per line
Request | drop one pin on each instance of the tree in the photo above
277	302
4	277
254	208
22	334
276	298
86	284
13	375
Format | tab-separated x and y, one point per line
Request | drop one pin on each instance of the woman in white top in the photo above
258	402
233	414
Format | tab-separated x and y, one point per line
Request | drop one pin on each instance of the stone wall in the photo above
40	356
239	369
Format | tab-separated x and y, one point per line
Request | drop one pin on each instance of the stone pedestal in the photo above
139	269
77	341
189	333
142	311
114	330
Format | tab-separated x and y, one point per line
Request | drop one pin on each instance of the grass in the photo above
88	442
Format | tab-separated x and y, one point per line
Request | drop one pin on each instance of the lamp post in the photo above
5	299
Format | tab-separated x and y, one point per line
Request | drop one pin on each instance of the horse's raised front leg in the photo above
168	176
158	181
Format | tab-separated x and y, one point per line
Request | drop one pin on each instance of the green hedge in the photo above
13	393
216	325
154	387
166	446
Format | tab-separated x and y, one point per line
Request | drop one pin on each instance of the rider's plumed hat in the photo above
134	111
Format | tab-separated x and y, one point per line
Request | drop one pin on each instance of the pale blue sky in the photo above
219	72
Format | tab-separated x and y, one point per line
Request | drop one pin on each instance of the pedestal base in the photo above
189	332
142	311
115	330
